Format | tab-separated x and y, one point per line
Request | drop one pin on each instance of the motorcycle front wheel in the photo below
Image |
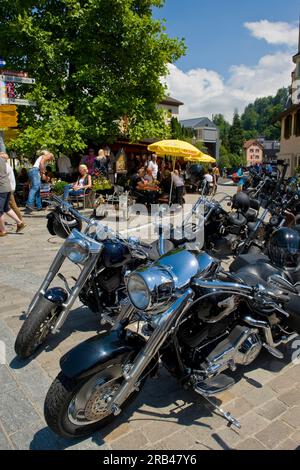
76	408
36	328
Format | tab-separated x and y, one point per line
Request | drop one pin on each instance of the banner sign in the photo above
17	101
17	79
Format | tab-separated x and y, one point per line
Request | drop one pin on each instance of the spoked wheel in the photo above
78	408
35	329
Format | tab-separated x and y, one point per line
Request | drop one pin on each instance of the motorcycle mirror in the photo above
282	283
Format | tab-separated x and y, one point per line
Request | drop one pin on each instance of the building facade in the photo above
290	122
206	131
171	106
254	152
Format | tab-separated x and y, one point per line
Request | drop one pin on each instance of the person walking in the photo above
5	190
36	175
12	202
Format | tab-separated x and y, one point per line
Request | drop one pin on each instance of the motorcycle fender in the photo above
99	353
56	295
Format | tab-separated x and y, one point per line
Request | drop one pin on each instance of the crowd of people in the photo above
148	177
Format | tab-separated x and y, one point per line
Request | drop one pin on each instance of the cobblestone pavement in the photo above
266	397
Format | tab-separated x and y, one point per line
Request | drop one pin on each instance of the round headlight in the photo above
77	251
138	292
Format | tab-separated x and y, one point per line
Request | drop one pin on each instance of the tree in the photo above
224	128
95	62
236	135
259	118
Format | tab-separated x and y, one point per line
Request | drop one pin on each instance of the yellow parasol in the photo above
174	148
201	159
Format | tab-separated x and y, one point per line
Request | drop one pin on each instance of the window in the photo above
251	150
257	150
288	126
297	124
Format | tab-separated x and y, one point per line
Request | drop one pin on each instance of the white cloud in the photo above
206	92
276	33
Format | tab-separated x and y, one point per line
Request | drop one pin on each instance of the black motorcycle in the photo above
198	322
103	258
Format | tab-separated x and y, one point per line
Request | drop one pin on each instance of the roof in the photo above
171	101
198	123
248	144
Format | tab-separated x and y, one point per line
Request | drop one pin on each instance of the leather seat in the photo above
237	219
251	215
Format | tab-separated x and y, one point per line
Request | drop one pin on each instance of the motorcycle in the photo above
102	257
198	321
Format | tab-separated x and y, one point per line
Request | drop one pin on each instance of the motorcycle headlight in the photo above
77	251
150	288
138	292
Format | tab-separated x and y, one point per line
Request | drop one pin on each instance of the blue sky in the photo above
218	39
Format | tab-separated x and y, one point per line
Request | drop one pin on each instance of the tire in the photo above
30	338
59	398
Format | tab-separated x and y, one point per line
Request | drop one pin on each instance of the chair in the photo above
87	199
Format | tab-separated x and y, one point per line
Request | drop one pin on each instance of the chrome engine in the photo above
241	347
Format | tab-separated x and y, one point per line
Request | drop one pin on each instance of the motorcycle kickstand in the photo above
228	416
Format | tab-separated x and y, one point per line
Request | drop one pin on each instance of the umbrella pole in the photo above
172	183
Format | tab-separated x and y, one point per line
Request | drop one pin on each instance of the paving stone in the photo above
251	423
250	444
292	416
238	407
157	430
118	432
288	444
16	411
282	383
181	440
274	434
5	443
272	409
133	441
290	398
6	380
259	396
228	438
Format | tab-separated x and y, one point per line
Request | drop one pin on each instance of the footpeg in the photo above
215	385
210	387
107	319
275	352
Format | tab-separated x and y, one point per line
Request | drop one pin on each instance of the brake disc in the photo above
97	405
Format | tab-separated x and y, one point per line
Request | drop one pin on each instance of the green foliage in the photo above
95	62
58	187
224	128
101	183
236	135
259	118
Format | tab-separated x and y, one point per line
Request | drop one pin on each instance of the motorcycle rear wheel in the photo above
35	329
66	395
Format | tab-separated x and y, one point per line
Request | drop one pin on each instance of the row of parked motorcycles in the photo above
169	303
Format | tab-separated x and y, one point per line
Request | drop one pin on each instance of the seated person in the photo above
83	183
165	177
209	178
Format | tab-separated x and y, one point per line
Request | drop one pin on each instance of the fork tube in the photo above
53	270
157	339
66	306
